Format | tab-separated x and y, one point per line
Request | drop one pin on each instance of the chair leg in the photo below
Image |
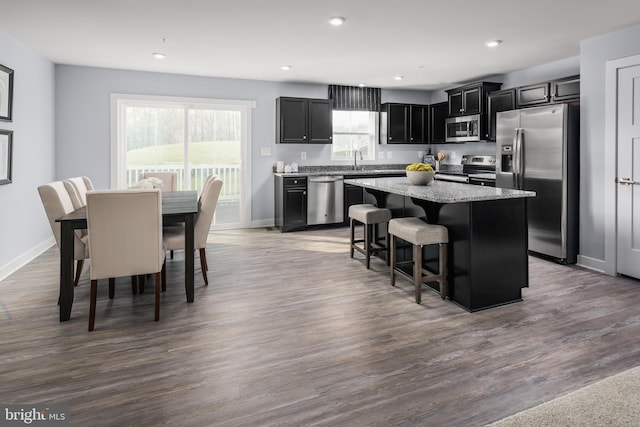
417	271
79	265
134	284
164	276
158	278
352	231
171	253
141	283
392	263
92	304
203	265
112	287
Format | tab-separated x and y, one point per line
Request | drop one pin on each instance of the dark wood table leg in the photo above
66	270
189	255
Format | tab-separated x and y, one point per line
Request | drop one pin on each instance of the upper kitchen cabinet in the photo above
304	120
404	123
470	99
437	115
561	90
500	100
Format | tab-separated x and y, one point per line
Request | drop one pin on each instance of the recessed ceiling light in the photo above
286	67
493	43
159	55
398	78
336	20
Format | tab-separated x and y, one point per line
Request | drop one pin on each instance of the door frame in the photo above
611	160
117	156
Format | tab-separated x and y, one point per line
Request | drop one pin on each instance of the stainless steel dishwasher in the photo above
325	199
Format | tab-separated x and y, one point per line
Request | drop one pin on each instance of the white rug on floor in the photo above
614	401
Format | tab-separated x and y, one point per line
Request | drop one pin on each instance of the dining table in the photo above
178	207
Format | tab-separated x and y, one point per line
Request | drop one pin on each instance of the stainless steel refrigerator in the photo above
538	150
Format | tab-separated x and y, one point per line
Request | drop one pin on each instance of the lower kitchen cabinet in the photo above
353	195
290	203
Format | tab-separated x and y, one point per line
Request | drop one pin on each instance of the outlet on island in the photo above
303	155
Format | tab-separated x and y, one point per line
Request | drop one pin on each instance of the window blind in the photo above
352	98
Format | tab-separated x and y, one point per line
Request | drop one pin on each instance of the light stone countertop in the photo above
440	191
345	173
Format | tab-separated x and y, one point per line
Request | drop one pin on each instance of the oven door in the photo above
462	129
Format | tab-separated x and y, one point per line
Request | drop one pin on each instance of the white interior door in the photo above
628	173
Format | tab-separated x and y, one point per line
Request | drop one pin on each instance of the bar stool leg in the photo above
392	249
367	243
442	270
417	271
351	227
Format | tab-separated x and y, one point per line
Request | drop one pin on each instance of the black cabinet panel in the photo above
290	203
566	89
437	115
527	96
320	121
470	99
403	123
560	90
501	100
303	120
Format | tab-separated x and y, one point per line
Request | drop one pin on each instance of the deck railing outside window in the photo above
230	174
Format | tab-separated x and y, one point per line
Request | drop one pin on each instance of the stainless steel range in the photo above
479	170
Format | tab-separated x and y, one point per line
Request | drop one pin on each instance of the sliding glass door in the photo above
194	138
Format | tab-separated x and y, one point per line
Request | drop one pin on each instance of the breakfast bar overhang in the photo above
487	251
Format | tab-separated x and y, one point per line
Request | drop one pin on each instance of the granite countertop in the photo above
440	191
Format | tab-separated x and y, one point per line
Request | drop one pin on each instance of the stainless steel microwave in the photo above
463	128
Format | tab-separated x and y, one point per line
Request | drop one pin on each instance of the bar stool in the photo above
368	215
419	233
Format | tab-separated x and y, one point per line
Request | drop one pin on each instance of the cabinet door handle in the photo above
304	136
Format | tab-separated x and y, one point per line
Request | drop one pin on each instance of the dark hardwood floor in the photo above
292	332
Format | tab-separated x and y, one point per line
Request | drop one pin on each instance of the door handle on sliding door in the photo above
625	181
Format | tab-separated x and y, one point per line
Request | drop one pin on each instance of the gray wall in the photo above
594	54
24	230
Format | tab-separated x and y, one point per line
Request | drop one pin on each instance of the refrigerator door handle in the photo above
518	158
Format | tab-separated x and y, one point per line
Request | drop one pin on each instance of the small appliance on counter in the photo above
478	170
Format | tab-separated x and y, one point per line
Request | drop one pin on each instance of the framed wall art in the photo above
6	93
6	141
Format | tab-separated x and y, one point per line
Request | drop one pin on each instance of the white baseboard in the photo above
24	258
263	223
591	263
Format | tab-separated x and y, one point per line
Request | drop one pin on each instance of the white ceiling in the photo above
432	43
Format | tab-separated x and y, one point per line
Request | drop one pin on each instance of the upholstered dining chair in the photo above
57	203
125	239
169	179
174	236
77	188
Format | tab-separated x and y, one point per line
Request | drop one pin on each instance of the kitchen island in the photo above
487	251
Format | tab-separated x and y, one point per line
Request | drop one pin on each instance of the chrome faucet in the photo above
355	159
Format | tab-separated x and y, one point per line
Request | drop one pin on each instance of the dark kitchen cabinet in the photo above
290	203
560	90
500	100
304	120
567	89
404	123
437	115
470	99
